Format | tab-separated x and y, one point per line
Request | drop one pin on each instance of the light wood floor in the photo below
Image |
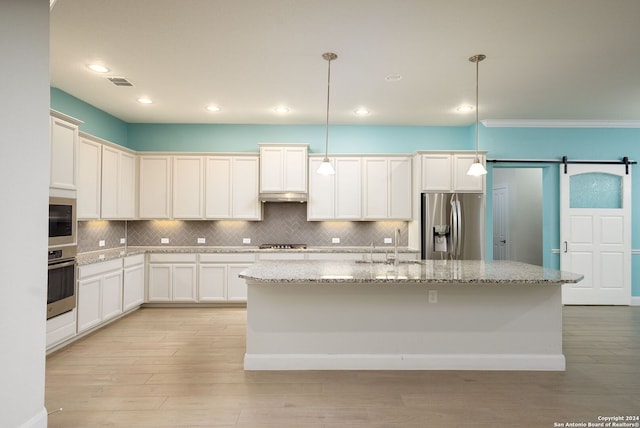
183	367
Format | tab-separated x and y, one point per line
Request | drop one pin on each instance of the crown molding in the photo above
522	123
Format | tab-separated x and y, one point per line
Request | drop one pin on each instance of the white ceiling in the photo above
546	59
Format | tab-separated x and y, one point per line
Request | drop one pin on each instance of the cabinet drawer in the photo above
172	258
138	259
227	258
99	268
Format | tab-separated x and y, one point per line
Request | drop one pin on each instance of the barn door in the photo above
595	233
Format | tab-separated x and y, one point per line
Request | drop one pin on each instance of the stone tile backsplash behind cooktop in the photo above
282	223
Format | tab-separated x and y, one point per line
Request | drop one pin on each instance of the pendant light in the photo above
325	167
476	167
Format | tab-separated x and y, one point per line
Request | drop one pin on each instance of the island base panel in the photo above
308	326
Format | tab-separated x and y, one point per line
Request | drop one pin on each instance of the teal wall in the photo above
342	139
501	143
96	122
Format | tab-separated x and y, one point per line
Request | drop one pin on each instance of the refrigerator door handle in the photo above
460	230
454	227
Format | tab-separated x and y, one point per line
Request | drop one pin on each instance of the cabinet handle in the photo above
566	247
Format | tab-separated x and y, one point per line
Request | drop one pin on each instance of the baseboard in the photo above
38	420
635	301
539	362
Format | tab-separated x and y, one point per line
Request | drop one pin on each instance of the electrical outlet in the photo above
246	240
433	296
101	243
101	257
335	240
164	240
123	240
201	240
388	240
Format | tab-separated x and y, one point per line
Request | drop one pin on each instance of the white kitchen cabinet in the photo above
89	179
334	256
133	282
155	187
64	152
231	188
118	183
281	255
61	328
283	168
218	277
99	293
188	187
447	172
172	277
338	196
386	188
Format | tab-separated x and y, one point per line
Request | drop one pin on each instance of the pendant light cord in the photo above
477	120
329	56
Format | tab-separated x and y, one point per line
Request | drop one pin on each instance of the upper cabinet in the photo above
363	188
154	200
283	167
231	188
64	152
447	172
386	188
106	180
188	187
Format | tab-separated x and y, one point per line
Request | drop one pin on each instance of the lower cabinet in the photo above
99	293
218	277
133	282
172	278
61	328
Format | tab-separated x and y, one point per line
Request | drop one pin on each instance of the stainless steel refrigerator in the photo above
452	226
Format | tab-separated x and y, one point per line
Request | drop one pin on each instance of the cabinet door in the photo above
155	185
463	182
375	188
110	167
212	284
218	187
436	173
236	286
245	203
127	186
89	173
133	287
321	203
295	169
184	282
188	187
89	291
111	295
271	169
159	283
64	143
348	189
399	188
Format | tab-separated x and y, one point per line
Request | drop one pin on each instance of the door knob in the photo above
504	241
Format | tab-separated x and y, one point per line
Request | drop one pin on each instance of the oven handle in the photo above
62	264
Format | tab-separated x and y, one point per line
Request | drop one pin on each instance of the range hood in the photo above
283	197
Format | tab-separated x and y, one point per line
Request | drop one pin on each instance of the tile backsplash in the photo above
282	223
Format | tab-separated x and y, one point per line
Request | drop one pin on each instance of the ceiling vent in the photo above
119	81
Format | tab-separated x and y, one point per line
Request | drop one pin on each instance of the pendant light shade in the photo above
325	167
477	168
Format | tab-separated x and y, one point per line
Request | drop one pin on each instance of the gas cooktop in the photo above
283	246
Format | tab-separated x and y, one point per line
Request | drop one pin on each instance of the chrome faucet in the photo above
396	238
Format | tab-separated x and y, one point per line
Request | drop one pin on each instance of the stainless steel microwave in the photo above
62	221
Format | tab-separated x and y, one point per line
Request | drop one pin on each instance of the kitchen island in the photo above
420	315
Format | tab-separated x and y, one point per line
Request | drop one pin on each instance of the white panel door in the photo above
595	230
184	282
399	189
212	283
376	194
155	187
111	295
188	187
348	189
218	187
500	222
321	204
245	203
110	182
127	186
89	170
236	286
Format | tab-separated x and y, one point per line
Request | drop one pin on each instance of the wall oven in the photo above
62	221
61	285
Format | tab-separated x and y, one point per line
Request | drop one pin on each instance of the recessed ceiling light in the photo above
393	77
361	111
213	108
98	68
145	101
281	109
465	108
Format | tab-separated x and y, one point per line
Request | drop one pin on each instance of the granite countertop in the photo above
101	256
422	271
